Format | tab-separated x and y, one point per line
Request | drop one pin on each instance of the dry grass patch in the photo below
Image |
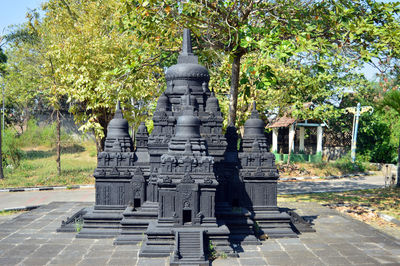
362	205
38	166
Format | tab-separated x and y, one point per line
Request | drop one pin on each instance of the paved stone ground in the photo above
321	185
30	239
29	198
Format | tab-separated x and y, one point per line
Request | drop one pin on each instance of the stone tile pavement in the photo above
29	198
31	239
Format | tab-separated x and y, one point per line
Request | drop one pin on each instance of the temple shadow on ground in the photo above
322	186
70	149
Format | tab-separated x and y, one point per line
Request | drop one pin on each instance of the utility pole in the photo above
3	60
357	111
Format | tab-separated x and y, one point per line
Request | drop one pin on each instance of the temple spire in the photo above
118	113
254	112
186	56
186	43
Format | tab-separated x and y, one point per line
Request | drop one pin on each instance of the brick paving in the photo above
31	239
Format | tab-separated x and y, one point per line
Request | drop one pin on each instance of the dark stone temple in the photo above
186	183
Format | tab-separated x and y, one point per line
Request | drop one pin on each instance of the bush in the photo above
46	135
12	153
375	138
347	166
34	135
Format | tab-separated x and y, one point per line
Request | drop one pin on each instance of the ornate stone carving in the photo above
187	178
186	173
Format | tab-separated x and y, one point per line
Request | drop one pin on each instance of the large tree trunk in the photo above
233	93
26	116
103	120
100	144
58	160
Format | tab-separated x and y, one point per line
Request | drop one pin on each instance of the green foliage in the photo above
378	133
41	135
11	149
3	60
347	166
212	253
374	139
34	135
78	224
7	212
98	63
286	52
37	167
257	229
392	99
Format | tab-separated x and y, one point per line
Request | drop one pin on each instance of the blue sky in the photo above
14	12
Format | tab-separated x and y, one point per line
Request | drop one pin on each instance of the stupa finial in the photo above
118	112
186	56
254	112
186	43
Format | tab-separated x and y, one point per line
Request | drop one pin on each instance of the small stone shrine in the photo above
186	183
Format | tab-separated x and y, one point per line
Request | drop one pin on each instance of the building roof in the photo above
283	121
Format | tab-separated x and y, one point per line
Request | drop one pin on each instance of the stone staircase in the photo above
189	247
103	223
275	224
241	227
135	222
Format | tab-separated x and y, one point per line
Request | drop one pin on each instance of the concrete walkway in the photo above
29	198
31	239
32	198
333	185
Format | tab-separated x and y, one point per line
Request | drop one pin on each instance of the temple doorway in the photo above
187	217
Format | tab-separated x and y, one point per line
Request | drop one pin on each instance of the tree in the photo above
23	97
98	63
284	53
392	99
33	41
79	54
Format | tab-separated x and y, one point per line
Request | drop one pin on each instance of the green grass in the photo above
38	166
384	200
5	213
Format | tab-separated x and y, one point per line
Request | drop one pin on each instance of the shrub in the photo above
346	165
42	135
12	153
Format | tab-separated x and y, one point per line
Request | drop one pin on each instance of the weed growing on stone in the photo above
78	225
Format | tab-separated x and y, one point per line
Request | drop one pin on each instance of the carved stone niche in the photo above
138	184
187	204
